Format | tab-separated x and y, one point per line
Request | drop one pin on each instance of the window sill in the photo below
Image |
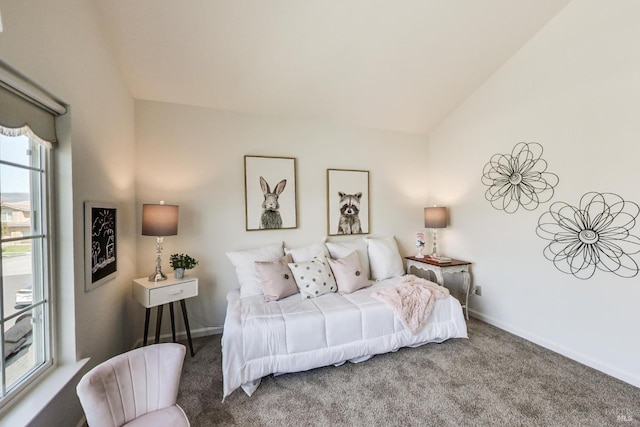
30	402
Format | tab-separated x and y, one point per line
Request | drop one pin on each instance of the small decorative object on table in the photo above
440	259
180	263
420	244
434	218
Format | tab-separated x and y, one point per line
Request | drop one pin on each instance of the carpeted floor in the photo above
494	378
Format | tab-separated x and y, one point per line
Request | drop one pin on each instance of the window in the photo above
27	138
7	215
24	282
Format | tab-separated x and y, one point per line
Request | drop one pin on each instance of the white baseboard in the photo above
600	366
195	333
202	332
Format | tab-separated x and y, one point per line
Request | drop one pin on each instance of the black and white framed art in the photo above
347	201
101	243
270	193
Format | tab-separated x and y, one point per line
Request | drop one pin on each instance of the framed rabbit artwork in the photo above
270	193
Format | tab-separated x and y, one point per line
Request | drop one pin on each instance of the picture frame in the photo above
271	196
347	202
101	243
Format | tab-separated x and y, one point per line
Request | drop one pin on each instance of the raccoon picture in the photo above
349	213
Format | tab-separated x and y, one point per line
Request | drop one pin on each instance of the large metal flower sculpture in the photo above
594	235
519	179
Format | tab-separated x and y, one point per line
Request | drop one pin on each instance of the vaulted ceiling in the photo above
401	65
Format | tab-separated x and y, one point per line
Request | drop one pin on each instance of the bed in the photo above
293	334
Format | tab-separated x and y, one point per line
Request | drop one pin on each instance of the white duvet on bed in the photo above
293	335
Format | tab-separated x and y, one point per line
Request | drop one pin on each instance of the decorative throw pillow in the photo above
314	278
349	273
339	250
276	279
384	259
244	262
306	253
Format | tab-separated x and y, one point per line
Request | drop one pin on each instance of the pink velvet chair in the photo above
137	388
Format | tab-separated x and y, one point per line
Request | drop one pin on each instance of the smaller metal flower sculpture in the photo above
594	235
519	179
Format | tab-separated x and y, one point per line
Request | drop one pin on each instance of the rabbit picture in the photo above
270	215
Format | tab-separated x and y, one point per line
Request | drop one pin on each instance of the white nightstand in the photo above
156	294
439	269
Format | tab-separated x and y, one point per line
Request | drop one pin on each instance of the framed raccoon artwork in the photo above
347	202
270	193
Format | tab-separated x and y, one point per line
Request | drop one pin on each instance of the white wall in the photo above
574	88
59	45
193	157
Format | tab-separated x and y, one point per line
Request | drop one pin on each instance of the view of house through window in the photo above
24	278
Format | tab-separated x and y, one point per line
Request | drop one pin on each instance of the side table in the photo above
439	269
156	294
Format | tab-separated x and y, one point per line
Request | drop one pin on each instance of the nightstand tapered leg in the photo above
186	324
173	322
158	323
466	280
146	326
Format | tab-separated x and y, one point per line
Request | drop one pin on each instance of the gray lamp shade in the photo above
435	217
159	220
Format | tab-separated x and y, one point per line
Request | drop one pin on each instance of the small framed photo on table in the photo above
420	243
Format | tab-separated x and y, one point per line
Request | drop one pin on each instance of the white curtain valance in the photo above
24	104
25	131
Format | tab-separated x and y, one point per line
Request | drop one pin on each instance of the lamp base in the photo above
434	250
157	276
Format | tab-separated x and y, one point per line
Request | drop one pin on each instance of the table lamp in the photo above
434	218
159	220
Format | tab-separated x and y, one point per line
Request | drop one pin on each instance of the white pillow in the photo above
384	259
349	273
313	278
307	253
244	262
339	250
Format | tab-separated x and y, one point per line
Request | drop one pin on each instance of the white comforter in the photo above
293	335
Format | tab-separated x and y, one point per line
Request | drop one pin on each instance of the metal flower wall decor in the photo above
519	179
594	235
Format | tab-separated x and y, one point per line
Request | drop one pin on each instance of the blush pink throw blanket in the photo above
412	300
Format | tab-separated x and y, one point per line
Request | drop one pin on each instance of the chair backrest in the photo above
131	384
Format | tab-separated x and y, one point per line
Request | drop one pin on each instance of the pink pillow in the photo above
276	279
349	274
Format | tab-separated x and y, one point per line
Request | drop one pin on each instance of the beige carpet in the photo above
494	378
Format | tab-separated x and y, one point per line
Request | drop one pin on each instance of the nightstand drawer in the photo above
166	294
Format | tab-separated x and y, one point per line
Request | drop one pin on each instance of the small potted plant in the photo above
180	263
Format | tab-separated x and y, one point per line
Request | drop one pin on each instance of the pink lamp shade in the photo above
159	220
